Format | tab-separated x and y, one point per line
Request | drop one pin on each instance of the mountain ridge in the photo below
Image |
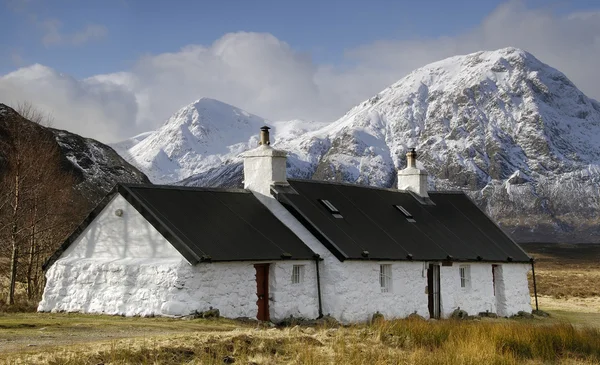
511	131
95	166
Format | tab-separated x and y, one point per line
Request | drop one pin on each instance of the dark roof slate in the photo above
453	227
208	224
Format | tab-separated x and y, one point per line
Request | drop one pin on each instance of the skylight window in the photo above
332	209
407	215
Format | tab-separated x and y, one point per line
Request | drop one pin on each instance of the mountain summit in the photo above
511	131
204	134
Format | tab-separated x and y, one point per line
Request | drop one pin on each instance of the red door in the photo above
262	291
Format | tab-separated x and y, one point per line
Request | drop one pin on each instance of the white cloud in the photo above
265	76
53	35
104	111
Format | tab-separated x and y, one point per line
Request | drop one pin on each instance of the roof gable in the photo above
208	224
372	227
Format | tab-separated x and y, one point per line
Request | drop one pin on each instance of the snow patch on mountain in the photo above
203	135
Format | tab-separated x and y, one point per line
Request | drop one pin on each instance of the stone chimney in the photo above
411	178
264	165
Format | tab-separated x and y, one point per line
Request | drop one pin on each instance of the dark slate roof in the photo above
452	228
207	224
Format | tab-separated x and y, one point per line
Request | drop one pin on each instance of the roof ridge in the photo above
187	188
349	184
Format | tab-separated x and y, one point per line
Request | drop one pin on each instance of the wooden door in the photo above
262	291
433	290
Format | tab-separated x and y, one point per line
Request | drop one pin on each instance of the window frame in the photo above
385	278
331	208
298	274
409	217
464	273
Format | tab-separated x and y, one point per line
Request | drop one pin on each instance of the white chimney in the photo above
264	165
411	178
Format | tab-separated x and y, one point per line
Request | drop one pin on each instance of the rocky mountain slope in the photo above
511	131
95	166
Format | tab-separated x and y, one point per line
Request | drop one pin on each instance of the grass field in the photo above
566	270
87	339
568	281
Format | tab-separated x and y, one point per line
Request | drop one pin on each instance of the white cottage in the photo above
283	247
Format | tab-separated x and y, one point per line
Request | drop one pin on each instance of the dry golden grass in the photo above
566	270
385	342
568	279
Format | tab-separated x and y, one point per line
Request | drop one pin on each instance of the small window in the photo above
465	276
385	278
332	209
407	215
298	274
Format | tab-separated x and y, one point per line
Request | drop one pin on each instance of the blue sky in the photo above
321	29
115	68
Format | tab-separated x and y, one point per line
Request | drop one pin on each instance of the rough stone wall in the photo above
477	296
287	299
149	287
511	296
174	288
123	287
516	289
357	291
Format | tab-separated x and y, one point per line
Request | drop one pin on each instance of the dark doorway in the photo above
433	286
262	291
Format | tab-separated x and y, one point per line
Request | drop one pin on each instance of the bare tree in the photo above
40	196
28	111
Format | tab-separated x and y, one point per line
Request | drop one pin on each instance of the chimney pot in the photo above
411	158
264	136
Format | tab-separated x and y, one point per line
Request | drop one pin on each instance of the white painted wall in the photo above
356	291
479	295
172	287
287	299
127	236
513	279
122	286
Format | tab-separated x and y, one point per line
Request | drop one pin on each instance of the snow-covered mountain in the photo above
203	135
513	132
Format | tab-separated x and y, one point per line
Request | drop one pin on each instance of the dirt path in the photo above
32	331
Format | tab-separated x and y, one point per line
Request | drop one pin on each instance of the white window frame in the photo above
385	278
298	274
464	272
